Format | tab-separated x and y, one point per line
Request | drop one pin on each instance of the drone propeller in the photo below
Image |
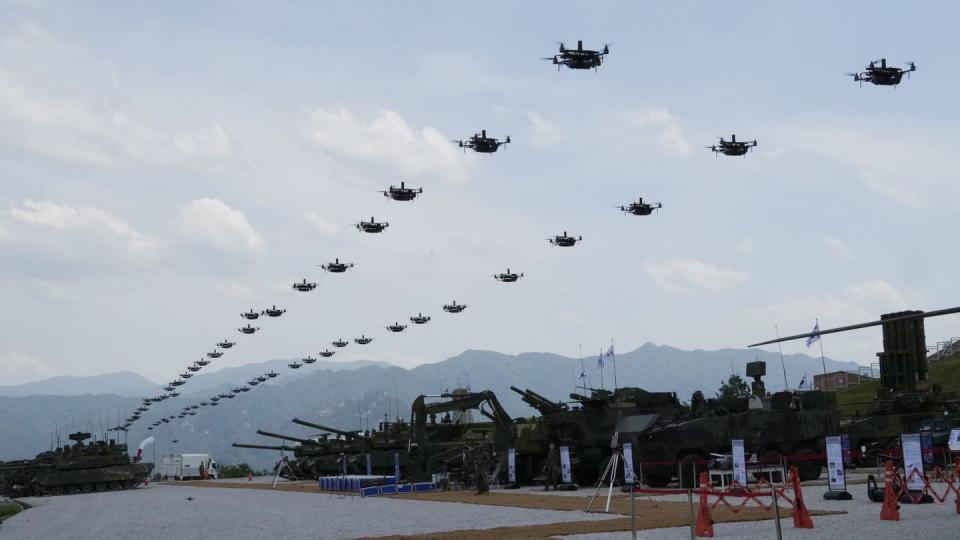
562	48
606	48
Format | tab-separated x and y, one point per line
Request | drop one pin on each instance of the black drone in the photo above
304	286
214	403
340	343
420	318
372	226
508	276
194	367
186	375
454	307
262	378
273	311
579	58
203	403
363	340
215	398
174	394
225	344
253	382
479	142
308	360
178	382
336	266
564	240
326	353
215	354
272	374
397	327
882	75
224	396
402	193
248	329
641	208
733	147
237	390
202	362
250	315
294	365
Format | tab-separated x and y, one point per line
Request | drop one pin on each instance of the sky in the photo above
167	166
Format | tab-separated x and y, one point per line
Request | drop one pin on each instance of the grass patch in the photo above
855	400
9	508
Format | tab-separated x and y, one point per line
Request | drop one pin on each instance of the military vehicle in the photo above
587	427
77	468
905	398
771	425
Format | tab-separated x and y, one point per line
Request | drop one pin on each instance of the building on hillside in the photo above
838	380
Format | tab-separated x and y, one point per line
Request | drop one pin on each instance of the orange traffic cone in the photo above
704	525
801	516
250	477
890	510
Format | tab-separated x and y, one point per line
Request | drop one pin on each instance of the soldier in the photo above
480	467
553	469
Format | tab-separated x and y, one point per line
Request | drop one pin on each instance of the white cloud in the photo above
745	246
837	249
689	274
217	223
320	224
542	131
389	140
17	368
662	125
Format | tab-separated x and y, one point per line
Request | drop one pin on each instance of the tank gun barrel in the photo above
346	434
282	447
289	438
538	402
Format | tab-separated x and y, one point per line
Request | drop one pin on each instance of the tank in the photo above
78	468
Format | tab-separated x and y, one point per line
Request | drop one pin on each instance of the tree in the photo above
235	471
735	387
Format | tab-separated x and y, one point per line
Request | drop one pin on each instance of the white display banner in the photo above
628	477
835	473
912	461
739	462
396	465
565	471
369	465
512	464
955	440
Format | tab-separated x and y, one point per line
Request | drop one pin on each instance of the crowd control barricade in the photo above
937	487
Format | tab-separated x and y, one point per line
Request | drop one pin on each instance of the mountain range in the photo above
355	395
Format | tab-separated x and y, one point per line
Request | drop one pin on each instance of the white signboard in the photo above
912	461
512	464
369	465
739	462
628	477
565	472
396	465
955	440
836	478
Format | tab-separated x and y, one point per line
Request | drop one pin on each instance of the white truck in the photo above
188	467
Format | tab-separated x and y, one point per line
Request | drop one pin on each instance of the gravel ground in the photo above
162	512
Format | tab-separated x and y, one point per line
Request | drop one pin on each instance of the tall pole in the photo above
822	361
601	369
613	358
786	386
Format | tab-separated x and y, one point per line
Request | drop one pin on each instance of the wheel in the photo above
129	484
114	485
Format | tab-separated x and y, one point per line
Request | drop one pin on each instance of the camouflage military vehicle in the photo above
78	468
781	424
587	427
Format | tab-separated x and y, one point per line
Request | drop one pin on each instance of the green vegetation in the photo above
9	508
856	399
735	387
236	471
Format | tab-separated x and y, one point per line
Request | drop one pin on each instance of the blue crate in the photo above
372	491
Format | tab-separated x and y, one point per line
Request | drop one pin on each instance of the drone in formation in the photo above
479	142
882	75
337	267
579	58
340	343
226	344
402	193
733	147
397	327
508	276
420	318
641	208
308	359
248	329
372	226
363	340
215	354
304	286
454	307
273	311
326	353
564	240
250	315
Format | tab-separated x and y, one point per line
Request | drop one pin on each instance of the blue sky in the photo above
167	166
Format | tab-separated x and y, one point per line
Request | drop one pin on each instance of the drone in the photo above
168	387
174	394
214	399
479	142
186	375
250	315
223	396
262	378
229	396
363	340
337	267
508	276
564	240
202	362
203	403
225	344
308	360
248	329
294	365
193	368
274	311
340	343
733	147
326	353
420	318
178	382
402	193
165	420
397	327
272	374
237	390
579	58
304	286
214	403
253	382
454	307
882	75
372	226
641	208
215	354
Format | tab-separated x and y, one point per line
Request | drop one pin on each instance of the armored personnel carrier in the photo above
78	468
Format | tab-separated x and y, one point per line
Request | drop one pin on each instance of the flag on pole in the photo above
583	375
816	335
609	353
600	361
803	382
